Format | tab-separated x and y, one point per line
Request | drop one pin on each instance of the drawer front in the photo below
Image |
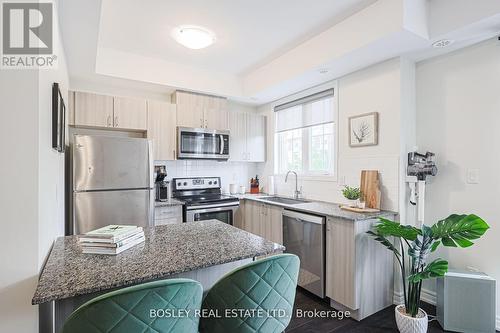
173	220
168	212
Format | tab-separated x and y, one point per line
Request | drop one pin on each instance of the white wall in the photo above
51	163
31	188
458	118
18	199
376	88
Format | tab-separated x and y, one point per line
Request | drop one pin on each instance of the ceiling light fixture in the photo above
193	37
442	43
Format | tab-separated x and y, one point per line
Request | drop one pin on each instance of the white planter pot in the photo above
353	203
407	324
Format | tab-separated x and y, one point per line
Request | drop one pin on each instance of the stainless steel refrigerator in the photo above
112	182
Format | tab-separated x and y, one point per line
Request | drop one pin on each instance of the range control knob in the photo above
215	182
179	184
210	183
185	183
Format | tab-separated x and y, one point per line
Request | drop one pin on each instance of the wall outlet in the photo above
472	176
473	269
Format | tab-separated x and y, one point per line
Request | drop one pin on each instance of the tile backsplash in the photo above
230	172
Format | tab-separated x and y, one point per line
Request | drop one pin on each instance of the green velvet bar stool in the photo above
135	309
266	288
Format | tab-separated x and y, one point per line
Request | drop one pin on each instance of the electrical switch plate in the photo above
472	176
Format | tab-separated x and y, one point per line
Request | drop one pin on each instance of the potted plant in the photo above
417	244
352	194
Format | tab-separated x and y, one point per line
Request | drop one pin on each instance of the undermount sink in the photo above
286	201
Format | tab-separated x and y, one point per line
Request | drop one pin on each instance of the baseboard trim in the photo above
429	296
426	295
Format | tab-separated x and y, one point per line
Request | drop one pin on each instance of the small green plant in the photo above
351	193
418	243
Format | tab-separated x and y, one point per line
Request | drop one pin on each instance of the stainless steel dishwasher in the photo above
304	236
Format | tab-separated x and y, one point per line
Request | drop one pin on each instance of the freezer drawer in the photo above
93	210
106	163
304	236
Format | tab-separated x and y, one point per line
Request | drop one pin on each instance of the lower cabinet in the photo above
359	271
168	215
260	219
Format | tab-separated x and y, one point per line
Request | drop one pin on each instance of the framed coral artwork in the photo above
363	130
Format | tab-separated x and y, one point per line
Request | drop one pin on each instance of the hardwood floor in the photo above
382	321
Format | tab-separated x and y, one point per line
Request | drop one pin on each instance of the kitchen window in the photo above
305	135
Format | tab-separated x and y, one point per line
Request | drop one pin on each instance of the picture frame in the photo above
363	130
58	119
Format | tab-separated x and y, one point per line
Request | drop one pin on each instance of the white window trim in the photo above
330	177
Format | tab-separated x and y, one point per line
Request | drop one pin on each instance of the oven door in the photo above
199	143
224	214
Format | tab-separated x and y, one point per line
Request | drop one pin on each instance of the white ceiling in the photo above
265	49
249	33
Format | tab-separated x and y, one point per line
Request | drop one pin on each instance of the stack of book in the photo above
111	239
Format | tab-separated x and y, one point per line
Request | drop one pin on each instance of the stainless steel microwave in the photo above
202	143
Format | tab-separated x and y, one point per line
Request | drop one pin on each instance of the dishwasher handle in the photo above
304	217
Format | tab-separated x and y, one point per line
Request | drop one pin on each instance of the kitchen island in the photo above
203	251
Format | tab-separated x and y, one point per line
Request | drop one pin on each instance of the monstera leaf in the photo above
421	247
458	230
435	269
384	241
390	228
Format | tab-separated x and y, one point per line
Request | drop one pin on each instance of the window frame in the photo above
330	176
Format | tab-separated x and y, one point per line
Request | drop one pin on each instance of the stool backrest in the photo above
142	308
257	297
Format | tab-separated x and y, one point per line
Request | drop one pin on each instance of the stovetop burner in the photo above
200	191
205	199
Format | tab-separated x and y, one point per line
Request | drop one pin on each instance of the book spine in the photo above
112	251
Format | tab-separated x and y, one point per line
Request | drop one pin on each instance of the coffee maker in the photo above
162	185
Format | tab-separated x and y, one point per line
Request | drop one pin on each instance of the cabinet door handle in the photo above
116	121
173	154
108	121
201	122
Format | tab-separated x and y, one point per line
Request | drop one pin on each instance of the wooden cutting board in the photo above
370	187
360	210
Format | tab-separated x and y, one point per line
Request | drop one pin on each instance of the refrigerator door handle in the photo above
221	144
151	163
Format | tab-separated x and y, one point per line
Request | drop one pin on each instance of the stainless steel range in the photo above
203	199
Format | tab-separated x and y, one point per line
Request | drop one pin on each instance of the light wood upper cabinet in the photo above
161	129
93	110
190	111
248	137
238	136
216	119
130	113
200	111
256	138
71	107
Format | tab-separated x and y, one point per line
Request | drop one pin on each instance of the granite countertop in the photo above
169	203
168	250
319	208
